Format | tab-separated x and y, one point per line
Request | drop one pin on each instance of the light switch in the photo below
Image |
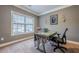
2	38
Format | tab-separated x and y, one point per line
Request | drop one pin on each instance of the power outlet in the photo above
2	38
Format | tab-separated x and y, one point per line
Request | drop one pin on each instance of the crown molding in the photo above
53	10
56	9
26	9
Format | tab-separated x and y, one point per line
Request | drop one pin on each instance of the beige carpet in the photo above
28	47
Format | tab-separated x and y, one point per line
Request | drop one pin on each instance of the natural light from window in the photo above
22	24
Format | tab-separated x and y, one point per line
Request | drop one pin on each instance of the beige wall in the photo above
72	22
5	23
71	15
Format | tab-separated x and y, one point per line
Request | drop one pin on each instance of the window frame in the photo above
17	13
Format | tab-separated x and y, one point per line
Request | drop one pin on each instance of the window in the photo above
22	24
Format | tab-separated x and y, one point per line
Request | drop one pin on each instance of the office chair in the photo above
60	41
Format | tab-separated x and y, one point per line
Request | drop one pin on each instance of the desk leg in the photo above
35	40
43	43
38	43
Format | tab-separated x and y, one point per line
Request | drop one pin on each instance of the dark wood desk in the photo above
43	37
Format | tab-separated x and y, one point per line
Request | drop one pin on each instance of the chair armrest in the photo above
58	35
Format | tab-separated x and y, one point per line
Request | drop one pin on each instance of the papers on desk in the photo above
46	33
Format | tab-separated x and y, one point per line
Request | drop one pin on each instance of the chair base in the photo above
63	49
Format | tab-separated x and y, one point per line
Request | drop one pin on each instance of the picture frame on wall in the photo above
54	19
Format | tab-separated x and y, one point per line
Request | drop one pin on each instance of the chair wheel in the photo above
64	48
61	48
55	49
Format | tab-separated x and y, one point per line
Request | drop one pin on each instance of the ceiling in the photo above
41	9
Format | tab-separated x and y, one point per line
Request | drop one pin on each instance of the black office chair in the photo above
60	41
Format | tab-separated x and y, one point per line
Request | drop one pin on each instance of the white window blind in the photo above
22	24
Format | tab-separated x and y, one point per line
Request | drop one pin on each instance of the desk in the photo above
43	36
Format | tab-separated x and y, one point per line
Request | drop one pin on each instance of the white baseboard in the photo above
74	42
12	42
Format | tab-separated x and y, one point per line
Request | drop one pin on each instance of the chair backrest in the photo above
64	36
